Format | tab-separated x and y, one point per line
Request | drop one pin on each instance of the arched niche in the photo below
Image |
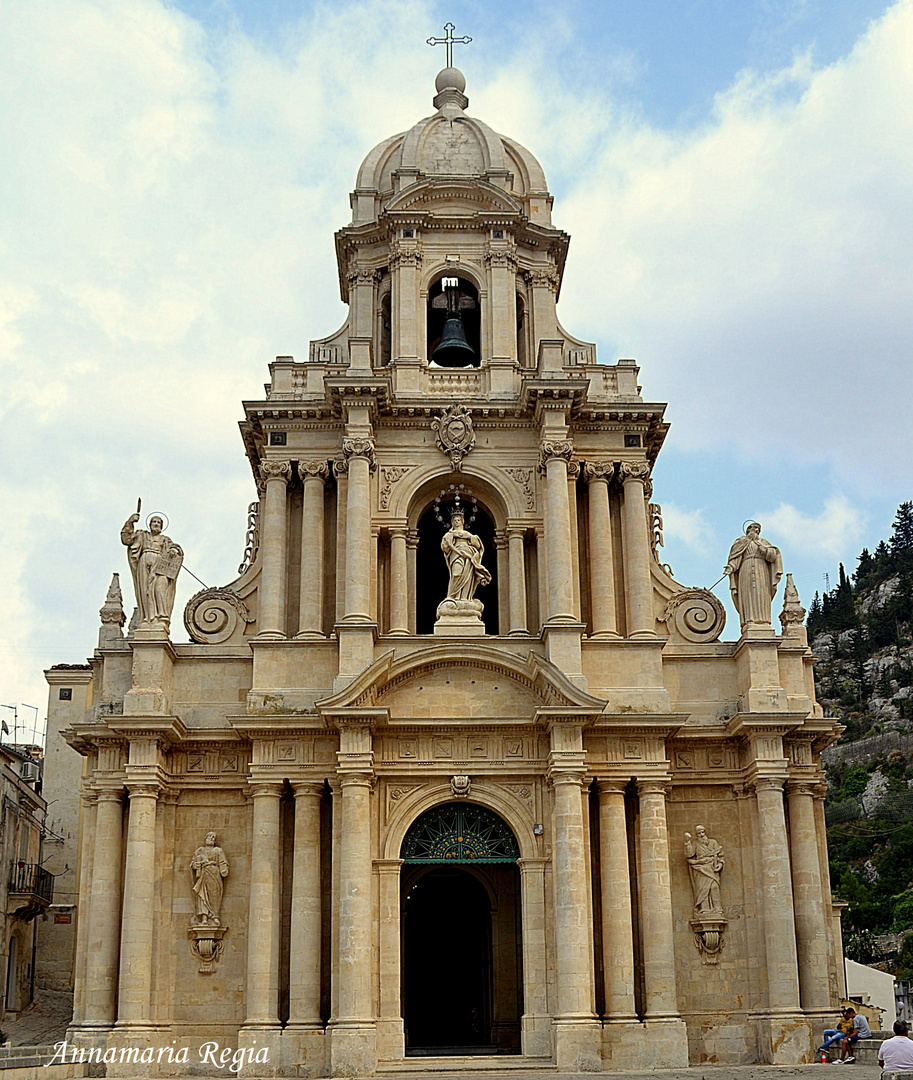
454	297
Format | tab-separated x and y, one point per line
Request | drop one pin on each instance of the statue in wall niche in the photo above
705	863
754	568
155	562
463	551
208	867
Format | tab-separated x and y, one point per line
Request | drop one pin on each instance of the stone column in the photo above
660	999
105	905
777	894
573	474
503	580
399	581
390	1017
341	472
304	935
134	1006
808	905
602	553
615	886
517	575
641	621
273	540
310	610
412	573
87	832
536	1022
264	921
554	458
360	456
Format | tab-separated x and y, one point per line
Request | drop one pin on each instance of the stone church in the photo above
454	768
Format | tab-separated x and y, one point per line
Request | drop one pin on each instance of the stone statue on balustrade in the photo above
754	568
155	562
460	612
705	863
208	867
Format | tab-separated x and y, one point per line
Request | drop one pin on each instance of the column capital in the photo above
633	470
554	450
766	783
611	785
110	794
275	470
307	788
566	773
313	470
353	779
599	471
802	787
340	468
259	788
651	786
573	470
400	530
360	448
144	789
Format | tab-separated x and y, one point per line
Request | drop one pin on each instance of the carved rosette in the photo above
695	615
455	434
360	448
552	449
213	615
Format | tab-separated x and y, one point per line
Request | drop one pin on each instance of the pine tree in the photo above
902	536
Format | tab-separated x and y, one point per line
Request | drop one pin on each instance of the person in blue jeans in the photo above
861	1030
838	1034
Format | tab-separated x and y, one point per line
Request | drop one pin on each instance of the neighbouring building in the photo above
455	766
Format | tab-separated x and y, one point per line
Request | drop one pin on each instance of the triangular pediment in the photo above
478	677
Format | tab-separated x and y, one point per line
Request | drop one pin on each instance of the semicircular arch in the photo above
417	490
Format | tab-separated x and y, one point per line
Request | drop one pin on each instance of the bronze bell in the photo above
453	350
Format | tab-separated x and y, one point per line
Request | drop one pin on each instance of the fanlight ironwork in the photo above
459	832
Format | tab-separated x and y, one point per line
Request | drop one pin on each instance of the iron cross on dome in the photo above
449	41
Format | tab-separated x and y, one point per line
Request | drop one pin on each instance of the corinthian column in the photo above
554	458
105	904
660	997
304	935
637	551
273	529
264	920
615	884
602	554
134	985
360	457
808	902
310	609
777	894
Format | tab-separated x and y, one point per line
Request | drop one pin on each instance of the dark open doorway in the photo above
432	575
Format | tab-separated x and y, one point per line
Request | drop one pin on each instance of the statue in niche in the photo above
754	568
463	551
155	562
208	867
705	862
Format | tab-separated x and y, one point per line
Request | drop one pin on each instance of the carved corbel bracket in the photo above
709	938
206	945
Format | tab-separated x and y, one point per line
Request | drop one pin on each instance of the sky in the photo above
736	177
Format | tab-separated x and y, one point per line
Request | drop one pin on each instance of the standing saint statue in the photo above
463	551
155	562
754	568
207	867
705	861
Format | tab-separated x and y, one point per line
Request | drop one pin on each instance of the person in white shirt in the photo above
897	1053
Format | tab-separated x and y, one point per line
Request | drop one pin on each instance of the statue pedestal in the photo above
460	618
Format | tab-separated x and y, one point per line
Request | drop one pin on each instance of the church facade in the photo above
455	766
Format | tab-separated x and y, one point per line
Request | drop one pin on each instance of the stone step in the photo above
468	1063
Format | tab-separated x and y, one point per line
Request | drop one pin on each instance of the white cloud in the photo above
835	531
688	527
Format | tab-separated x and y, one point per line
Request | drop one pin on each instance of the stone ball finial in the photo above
450	78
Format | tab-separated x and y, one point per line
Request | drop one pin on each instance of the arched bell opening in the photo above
432	574
461	947
454	323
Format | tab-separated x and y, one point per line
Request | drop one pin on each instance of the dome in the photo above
450	144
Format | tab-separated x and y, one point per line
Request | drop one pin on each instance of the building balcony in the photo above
31	890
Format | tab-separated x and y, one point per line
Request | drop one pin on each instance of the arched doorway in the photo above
461	950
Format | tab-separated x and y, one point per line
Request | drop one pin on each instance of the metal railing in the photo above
32	878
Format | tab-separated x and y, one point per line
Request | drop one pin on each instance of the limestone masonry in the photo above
454	766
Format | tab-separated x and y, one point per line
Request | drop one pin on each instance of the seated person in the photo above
861	1030
897	1053
838	1034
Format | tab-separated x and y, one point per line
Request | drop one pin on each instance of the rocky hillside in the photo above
862	633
